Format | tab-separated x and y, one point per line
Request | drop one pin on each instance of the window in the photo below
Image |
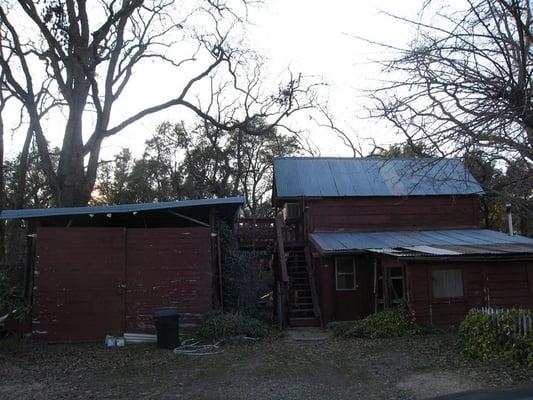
345	273
396	285
447	283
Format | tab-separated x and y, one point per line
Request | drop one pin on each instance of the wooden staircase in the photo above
300	300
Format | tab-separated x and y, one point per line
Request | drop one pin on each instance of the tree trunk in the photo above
22	170
2	187
71	172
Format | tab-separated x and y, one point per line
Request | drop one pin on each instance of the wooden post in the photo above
284	284
375	284
219	264
213	247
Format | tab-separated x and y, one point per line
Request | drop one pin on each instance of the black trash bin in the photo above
167	327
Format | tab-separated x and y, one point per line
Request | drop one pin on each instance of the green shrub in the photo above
219	325
486	338
478	334
392	322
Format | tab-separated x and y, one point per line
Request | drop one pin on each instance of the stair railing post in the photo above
284	284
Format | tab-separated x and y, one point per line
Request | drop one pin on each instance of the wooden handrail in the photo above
281	249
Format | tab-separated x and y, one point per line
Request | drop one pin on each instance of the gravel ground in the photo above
284	368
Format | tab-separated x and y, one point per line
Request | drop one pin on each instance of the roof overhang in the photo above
229	205
428	243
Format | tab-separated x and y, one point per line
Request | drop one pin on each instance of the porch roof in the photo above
443	242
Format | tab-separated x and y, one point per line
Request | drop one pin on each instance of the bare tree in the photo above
3	101
465	83
81	58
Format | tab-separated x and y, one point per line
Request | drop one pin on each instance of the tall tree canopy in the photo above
76	59
204	161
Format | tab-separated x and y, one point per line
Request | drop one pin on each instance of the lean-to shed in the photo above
98	271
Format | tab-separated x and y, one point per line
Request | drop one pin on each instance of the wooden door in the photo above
168	267
79	278
356	303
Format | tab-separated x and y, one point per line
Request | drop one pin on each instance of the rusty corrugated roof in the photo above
443	242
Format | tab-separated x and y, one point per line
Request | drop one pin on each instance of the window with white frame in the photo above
345	273
447	283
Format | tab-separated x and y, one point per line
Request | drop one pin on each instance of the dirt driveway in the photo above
413	368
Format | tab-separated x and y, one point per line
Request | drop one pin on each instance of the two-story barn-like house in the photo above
357	235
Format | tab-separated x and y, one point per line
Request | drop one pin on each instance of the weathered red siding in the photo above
494	284
382	213
90	282
76	295
167	267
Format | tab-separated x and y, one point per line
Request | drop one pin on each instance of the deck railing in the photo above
255	234
515	322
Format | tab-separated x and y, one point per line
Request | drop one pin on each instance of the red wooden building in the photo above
357	235
98	271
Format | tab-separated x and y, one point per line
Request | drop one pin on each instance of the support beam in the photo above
177	214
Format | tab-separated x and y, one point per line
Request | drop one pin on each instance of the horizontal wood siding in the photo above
418	293
330	214
326	287
500	284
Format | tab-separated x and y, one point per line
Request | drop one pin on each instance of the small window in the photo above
447	283
345	273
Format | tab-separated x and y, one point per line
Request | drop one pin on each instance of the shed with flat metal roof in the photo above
105	270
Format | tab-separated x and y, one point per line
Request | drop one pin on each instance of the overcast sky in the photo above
317	37
314	37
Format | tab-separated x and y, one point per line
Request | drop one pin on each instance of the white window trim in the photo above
343	273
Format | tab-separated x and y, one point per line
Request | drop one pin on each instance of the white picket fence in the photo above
522	326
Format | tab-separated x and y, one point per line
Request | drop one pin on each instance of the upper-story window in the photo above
345	273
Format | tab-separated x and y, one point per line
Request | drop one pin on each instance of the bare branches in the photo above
465	84
81	56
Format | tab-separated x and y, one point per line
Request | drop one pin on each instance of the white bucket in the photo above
110	341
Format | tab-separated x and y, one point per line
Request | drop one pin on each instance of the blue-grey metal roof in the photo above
433	242
346	177
118	209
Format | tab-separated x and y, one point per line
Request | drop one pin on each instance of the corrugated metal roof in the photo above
446	242
118	209
344	177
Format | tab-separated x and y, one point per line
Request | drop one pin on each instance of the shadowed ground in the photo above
283	368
